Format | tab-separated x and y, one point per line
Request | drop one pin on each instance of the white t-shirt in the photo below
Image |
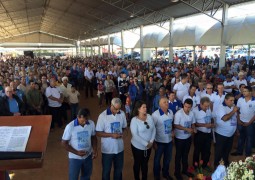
226	83
184	120
195	99
238	82
181	90
54	92
225	128
217	99
79	137
109	123
141	136
163	123
73	97
203	117
247	109
199	92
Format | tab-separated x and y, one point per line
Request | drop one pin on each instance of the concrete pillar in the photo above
122	44
249	53
109	46
141	43
85	48
194	56
99	47
132	51
156	53
171	50
223	35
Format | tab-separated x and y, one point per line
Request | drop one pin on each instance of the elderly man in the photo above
163	119
65	88
202	139
11	105
110	126
55	99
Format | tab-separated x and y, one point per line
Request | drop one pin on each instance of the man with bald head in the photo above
163	118
11	105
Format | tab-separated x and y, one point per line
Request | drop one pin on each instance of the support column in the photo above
109	46
122	44
171	50
141	43
223	35
132	53
91	51
194	56
76	48
85	49
249	53
156	53
99	49
112	49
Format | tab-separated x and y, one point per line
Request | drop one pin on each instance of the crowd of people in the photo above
164	104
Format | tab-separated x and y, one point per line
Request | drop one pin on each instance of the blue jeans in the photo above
74	110
166	149
80	165
117	160
245	139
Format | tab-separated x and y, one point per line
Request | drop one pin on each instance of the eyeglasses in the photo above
147	125
209	88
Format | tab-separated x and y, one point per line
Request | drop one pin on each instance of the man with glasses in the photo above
110	126
208	93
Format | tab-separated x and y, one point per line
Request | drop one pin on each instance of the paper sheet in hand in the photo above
14	138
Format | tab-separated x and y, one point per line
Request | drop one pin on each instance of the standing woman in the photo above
143	134
109	87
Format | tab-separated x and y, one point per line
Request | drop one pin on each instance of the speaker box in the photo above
29	53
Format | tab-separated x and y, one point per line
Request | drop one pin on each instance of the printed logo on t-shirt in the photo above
207	119
233	121
83	139
167	125
115	127
187	124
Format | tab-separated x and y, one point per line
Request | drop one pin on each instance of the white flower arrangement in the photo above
241	170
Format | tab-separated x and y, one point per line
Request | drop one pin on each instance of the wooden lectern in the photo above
36	144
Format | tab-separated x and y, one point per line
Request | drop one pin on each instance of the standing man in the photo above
182	87
225	128
110	126
163	119
184	124
89	75
80	140
55	99
123	88
218	97
192	95
202	139
245	119
34	100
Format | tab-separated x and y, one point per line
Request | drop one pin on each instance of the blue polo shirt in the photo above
174	106
13	105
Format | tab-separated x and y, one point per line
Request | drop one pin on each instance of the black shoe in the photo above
188	174
178	176
168	177
236	154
